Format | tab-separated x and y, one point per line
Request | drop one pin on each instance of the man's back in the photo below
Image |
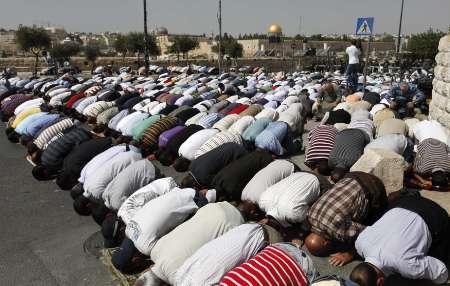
401	245
353	54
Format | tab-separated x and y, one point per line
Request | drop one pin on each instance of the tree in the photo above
152	46
234	49
33	40
316	37
63	52
91	53
425	45
121	46
299	37
183	45
231	47
387	38
136	44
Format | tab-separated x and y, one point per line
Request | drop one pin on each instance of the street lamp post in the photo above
293	47
400	29
146	57
399	39
219	19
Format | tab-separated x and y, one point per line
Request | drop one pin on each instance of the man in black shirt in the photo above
80	156
232	179
204	168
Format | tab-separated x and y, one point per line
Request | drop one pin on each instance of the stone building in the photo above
276	45
57	34
440	103
8	46
164	41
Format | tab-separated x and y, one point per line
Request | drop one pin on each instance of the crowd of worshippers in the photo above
244	214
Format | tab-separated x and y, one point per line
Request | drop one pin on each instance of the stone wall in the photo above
440	103
271	64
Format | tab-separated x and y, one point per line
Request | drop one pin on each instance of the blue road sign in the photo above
364	26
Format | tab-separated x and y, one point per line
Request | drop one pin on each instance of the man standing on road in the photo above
353	65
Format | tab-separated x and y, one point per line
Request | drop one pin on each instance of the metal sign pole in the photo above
366	64
146	56
364	27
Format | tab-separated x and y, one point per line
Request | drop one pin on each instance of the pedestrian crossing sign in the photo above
364	26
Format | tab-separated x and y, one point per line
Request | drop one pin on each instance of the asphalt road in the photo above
41	238
43	241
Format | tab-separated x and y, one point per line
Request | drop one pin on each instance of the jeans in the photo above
352	76
300	257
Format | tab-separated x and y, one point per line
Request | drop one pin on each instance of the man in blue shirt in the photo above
21	128
31	126
411	239
405	97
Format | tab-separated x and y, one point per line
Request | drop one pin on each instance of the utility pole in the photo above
300	26
146	60
219	19
400	29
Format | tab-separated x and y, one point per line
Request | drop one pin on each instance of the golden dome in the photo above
274	28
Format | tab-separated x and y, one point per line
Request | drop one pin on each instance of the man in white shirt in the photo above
214	259
266	177
95	184
411	239
155	219
98	161
288	201
173	249
427	129
129	180
125	126
190	147
142	196
353	65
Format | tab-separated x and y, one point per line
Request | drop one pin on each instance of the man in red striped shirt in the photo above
281	264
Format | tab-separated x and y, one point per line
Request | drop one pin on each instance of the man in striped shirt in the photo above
280	264
432	162
149	139
218	140
348	148
47	133
360	120
51	159
321	141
